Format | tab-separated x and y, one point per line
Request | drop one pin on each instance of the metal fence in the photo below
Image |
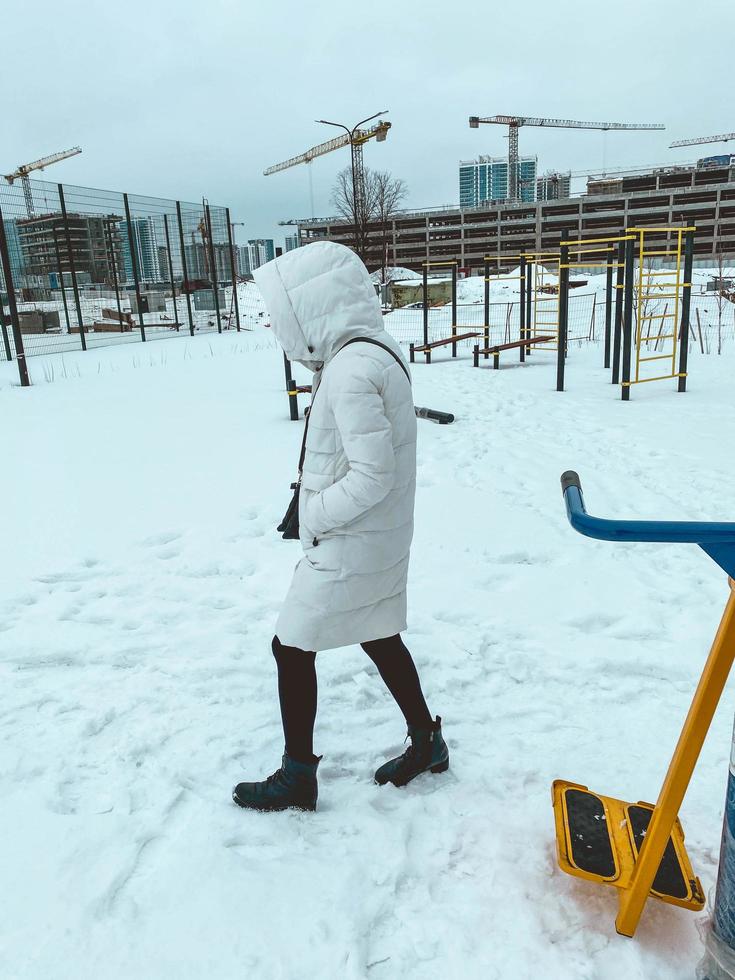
82	268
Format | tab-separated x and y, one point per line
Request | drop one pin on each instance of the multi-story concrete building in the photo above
552	186
486	179
17	263
702	197
291	242
199	261
96	242
265	250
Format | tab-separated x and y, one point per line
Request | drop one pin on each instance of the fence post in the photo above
454	308
213	259
425	304
134	261
20	354
529	291
113	266
4	328
233	267
185	274
72	267
293	401
171	270
522	308
486	330
561	340
685	305
628	317
61	281
608	307
618	321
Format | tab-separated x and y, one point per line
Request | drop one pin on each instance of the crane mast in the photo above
25	169
515	122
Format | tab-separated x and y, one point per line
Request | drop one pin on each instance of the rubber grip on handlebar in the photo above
570	479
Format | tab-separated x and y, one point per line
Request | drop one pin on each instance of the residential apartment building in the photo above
486	179
552	186
291	242
96	242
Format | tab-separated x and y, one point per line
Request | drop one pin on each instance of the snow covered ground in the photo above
139	584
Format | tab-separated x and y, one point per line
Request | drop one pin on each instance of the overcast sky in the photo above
190	99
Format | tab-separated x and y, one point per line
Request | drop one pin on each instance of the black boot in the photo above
293	785
427	750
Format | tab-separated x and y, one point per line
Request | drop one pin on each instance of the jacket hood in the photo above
318	296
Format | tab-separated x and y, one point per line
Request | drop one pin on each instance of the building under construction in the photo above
702	196
95	245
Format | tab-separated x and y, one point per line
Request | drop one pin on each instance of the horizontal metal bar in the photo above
676	228
448	262
657	337
641	381
594	241
658	295
658	357
657	316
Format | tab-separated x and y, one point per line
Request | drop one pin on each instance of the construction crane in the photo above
515	122
355	138
26	168
704	139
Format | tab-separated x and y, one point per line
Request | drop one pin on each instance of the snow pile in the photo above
140	581
395	273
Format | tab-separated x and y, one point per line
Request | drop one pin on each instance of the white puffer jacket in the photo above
359	481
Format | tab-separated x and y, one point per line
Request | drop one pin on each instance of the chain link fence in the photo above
83	268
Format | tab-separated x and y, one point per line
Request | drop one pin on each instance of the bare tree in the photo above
388	193
379	201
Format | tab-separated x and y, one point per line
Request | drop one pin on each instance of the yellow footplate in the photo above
598	838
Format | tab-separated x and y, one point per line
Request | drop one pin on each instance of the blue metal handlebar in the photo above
717	539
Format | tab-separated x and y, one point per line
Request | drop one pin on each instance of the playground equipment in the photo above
639	848
427	346
638	294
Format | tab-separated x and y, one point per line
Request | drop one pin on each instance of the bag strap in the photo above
356	340
377	343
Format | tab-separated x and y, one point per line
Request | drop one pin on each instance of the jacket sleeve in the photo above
367	440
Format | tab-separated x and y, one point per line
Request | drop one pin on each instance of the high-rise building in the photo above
292	241
146	252
486	179
265	250
552	186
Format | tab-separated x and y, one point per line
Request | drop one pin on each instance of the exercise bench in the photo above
513	345
426	349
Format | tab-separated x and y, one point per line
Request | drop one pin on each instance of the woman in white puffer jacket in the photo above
355	512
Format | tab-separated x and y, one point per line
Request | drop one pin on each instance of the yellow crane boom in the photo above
26	168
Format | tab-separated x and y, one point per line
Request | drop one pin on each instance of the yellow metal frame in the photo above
546	304
635	880
671	283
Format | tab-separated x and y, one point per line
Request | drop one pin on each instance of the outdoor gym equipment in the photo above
639	848
638	293
427	346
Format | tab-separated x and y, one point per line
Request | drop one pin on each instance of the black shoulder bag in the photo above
289	526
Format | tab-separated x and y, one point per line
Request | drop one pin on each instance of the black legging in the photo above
297	689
